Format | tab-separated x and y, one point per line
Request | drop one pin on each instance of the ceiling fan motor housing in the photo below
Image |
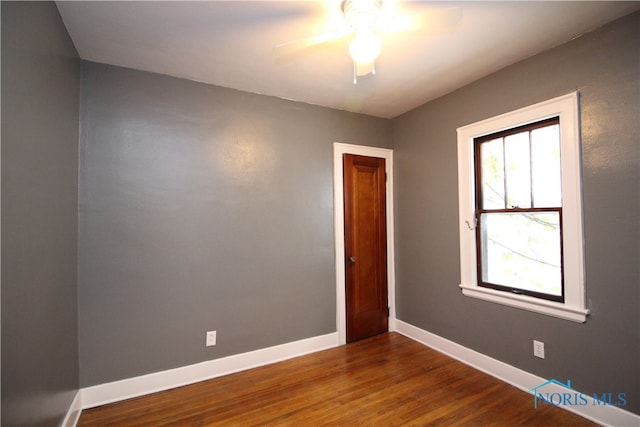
361	15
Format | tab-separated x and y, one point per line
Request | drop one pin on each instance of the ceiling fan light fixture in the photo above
364	47
362	17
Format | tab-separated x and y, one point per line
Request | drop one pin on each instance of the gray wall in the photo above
206	208
602	355
40	114
202	208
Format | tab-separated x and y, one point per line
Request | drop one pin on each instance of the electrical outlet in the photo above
538	349
211	338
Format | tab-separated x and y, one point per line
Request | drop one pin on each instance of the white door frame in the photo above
338	213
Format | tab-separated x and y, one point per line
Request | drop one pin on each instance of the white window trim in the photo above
566	107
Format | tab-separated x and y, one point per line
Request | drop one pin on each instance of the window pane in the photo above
518	170
547	189
522	250
492	174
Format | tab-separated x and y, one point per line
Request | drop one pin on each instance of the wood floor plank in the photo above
387	380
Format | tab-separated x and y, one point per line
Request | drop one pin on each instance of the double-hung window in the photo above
520	209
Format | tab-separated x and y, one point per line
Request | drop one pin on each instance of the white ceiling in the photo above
230	43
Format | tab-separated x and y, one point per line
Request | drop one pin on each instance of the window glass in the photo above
517	168
546	179
522	250
492	156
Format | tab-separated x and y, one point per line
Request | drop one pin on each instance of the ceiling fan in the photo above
365	21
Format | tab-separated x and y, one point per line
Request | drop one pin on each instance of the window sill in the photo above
550	308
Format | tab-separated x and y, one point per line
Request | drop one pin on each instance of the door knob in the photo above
352	259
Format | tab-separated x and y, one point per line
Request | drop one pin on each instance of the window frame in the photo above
566	108
481	210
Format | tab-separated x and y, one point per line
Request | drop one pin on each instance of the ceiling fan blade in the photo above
295	46
435	20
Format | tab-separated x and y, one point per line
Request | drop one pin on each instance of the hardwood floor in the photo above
386	380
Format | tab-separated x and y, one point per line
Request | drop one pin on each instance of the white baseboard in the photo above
73	414
601	414
138	386
159	381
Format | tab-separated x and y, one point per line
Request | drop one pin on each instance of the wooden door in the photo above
365	238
